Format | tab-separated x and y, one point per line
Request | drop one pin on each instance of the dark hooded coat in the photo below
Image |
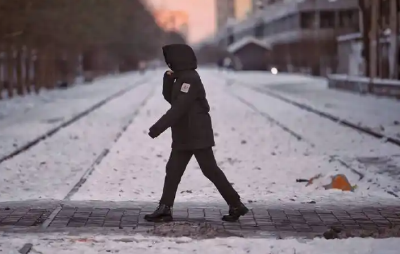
188	116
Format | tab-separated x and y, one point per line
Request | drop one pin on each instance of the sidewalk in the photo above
278	221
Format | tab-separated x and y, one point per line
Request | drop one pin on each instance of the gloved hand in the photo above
152	132
152	135
169	75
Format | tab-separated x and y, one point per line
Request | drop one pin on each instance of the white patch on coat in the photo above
185	87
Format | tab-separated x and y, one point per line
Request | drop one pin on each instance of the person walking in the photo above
192	133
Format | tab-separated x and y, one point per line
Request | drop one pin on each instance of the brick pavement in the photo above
304	221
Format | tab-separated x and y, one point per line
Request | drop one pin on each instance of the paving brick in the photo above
111	224
58	225
25	223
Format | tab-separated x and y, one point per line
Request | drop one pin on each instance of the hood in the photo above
180	57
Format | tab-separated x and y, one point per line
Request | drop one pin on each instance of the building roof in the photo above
245	41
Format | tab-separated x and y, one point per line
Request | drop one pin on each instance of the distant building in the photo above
173	20
361	54
250	54
243	8
258	5
302	33
225	11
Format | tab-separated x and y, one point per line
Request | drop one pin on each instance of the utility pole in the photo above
374	38
394	42
365	9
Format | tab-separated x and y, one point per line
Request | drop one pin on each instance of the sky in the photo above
201	15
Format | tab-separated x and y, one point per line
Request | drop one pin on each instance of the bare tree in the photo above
50	35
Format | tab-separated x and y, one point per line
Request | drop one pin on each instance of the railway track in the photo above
69	122
105	151
325	115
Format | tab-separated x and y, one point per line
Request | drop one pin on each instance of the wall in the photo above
225	9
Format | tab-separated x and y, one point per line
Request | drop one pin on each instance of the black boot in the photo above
161	214
235	212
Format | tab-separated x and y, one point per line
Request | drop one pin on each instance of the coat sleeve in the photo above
168	82
179	108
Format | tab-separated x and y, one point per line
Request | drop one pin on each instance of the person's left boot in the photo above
235	211
163	213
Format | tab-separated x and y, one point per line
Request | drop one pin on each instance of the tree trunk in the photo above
45	69
39	70
2	74
18	69
72	66
10	71
51	68
28	65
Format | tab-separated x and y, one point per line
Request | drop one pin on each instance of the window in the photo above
285	24
274	27
307	20
349	19
385	13
267	29
231	39
295	21
327	19
259	30
292	21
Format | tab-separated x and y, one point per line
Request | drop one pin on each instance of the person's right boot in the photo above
235	211
161	214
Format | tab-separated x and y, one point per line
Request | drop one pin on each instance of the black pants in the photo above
176	166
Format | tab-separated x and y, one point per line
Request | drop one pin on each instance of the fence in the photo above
381	87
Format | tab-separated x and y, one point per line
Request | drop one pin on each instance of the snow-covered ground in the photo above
259	157
88	244
259	78
50	169
329	138
24	118
103	86
377	113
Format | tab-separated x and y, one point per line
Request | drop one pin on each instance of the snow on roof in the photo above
246	40
245	24
349	37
